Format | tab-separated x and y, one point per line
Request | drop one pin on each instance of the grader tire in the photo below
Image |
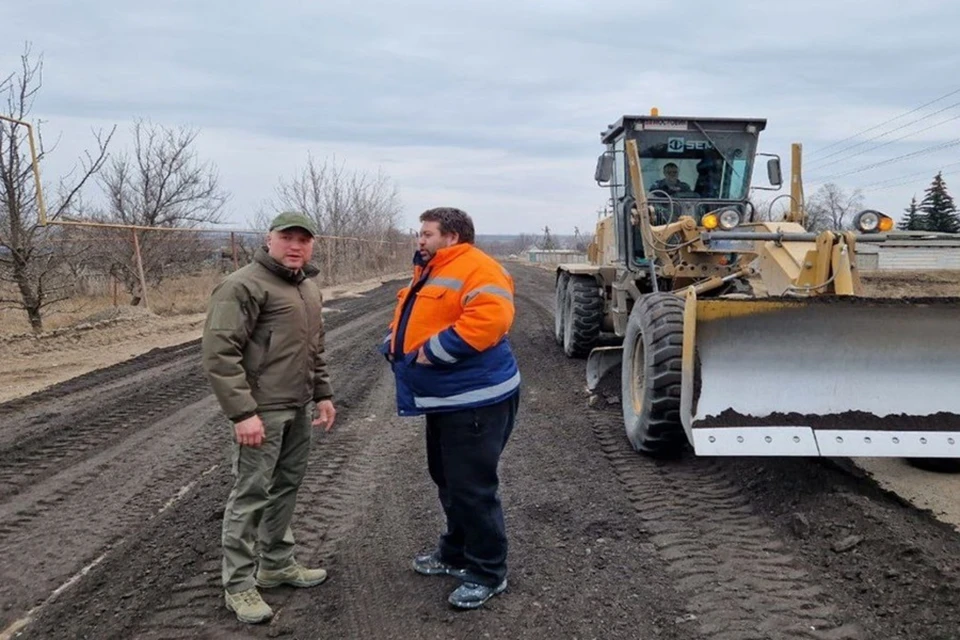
651	376
936	465
583	317
559	312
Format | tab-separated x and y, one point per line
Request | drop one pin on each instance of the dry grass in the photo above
184	295
177	296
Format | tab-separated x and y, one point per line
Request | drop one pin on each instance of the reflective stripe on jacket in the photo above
459	308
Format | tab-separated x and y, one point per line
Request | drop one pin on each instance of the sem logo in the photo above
675	145
679	145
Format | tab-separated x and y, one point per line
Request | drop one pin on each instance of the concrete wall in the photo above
908	256
557	256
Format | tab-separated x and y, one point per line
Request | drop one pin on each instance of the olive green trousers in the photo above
256	520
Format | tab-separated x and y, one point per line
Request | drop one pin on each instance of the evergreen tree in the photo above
914	220
938	207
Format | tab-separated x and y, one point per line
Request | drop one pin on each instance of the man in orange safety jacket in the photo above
453	363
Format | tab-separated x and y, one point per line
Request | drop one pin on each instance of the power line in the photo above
938	147
904	183
905	179
819	164
885	122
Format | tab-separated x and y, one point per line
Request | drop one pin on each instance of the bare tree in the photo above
831	208
161	183
343	203
356	213
32	256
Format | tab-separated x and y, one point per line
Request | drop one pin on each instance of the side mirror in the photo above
604	169
773	172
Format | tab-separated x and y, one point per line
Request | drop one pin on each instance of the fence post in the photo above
233	250
328	262
143	280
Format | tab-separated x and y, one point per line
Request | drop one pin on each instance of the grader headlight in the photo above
725	220
729	219
870	221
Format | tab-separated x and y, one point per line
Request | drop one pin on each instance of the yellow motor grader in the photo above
743	336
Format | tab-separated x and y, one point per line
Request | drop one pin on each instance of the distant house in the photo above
911	251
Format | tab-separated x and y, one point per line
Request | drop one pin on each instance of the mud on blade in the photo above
823	377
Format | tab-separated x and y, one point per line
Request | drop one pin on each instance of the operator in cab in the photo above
671	182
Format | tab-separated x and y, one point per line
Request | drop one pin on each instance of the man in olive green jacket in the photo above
263	353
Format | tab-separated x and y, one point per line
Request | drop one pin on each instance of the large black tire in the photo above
559	310
583	317
937	465
651	376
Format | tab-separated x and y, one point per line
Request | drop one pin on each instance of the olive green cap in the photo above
291	220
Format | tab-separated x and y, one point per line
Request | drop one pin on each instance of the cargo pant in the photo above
261	503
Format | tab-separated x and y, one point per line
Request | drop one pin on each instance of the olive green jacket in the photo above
263	340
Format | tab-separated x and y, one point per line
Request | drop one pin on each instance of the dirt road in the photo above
113	487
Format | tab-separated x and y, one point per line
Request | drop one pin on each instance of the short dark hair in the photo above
451	220
670	164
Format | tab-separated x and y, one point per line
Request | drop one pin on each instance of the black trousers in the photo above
463	453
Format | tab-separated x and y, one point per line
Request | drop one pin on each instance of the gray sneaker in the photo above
431	565
248	605
471	595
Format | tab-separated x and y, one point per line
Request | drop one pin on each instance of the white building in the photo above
555	256
911	251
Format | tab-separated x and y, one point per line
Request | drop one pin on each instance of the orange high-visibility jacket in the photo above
459	308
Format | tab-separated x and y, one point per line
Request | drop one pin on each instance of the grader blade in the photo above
600	362
831	376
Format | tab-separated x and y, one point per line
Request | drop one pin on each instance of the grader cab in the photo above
740	335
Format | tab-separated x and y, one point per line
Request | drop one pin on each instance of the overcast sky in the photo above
494	106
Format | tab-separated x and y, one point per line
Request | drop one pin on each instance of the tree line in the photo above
832	208
935	212
161	182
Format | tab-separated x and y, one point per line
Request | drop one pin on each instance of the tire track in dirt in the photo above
98	381
173	457
122	377
605	542
342	475
576	567
335	506
874	558
95	504
55	526
740	584
726	561
900	572
75	436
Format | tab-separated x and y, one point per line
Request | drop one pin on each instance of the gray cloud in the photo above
496	106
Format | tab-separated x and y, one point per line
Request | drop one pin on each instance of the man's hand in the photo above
422	357
327	415
250	432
